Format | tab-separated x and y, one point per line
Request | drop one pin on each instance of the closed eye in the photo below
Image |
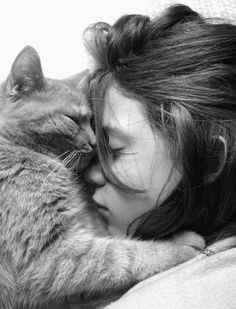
76	120
116	152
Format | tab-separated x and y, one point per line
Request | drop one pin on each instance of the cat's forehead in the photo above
72	98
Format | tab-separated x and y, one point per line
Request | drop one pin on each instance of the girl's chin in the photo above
115	231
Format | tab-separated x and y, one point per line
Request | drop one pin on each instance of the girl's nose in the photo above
94	175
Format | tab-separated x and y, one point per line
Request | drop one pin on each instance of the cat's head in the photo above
45	115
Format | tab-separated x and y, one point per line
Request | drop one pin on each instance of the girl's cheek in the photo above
127	169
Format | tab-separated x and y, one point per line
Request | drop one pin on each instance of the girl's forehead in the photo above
123	112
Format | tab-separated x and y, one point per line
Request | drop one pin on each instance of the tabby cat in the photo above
50	246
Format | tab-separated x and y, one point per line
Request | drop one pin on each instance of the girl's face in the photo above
140	160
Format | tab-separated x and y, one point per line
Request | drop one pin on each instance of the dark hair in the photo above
183	68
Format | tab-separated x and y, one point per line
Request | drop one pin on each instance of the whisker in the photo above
57	169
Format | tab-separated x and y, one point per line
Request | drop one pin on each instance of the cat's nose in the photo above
92	139
91	136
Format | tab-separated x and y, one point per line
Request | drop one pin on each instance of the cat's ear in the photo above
26	74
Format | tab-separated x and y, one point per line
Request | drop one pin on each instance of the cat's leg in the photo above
102	265
8	294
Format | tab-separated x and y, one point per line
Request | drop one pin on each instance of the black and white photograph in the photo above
118	154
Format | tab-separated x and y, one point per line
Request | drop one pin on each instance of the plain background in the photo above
55	27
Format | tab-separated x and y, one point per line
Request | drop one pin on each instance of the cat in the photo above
51	244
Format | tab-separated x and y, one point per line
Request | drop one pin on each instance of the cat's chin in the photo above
80	161
85	161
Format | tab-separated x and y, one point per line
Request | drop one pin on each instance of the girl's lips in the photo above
101	209
95	200
104	213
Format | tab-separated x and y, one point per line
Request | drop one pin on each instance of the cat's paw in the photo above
188	238
190	243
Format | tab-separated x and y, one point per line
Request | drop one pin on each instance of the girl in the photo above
164	100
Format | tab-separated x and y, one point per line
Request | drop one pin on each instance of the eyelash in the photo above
116	152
